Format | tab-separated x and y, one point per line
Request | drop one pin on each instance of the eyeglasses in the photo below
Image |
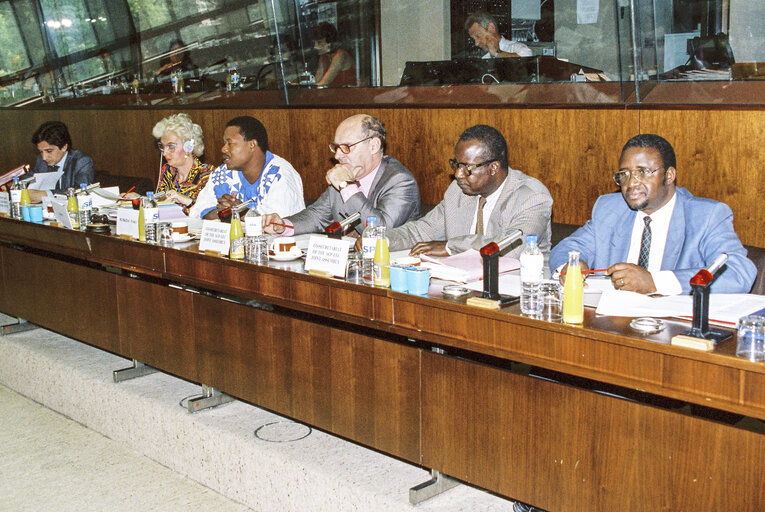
468	168
345	148
171	146
623	176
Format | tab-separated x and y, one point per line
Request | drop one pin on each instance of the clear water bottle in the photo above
532	269
151	218
368	245
16	189
235	79
85	205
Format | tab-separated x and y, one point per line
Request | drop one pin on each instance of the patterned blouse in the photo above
194	183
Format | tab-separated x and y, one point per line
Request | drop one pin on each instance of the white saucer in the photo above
286	256
182	237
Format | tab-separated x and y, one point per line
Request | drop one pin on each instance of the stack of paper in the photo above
464	267
724	308
14	173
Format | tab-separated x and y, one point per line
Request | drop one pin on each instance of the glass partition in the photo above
160	52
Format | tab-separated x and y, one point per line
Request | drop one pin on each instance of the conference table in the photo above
429	380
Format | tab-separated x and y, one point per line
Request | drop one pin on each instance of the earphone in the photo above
188	146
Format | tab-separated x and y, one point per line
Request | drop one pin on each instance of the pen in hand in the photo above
591	271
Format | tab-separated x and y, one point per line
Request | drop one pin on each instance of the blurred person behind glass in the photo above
176	61
183	175
336	67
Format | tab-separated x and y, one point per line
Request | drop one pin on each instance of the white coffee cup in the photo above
284	244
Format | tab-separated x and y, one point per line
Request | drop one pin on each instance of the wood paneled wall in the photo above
574	151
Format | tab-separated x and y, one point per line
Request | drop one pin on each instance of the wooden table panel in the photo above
460	325
565	449
157	326
68	298
356	386
700	377
43	236
141	257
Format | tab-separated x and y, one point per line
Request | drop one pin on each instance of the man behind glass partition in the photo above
654	236
482	27
250	172
486	201
73	167
364	180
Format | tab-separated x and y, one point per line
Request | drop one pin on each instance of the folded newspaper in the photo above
464	267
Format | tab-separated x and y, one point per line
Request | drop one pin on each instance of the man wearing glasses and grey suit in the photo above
486	201
365	180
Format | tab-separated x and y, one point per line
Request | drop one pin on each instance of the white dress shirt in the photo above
665	280
491	202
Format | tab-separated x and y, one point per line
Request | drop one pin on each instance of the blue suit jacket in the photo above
78	168
700	229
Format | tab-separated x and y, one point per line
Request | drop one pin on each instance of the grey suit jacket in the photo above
78	168
394	198
524	204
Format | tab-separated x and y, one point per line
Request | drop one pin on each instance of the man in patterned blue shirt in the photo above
250	172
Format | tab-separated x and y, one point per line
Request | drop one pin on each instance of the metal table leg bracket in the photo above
437	484
210	397
21	326
131	372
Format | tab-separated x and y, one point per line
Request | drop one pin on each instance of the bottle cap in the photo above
531	239
149	194
371	219
15	179
83	185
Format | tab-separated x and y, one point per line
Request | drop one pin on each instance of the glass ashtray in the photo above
647	325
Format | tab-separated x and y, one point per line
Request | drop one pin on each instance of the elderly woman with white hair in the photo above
183	175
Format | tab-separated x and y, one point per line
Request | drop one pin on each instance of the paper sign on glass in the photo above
60	213
5	203
127	222
327	255
215	237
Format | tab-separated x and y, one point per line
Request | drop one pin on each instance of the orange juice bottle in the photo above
237	237
382	259
72	209
573	291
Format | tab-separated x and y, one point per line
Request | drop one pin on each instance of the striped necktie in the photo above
645	244
479	216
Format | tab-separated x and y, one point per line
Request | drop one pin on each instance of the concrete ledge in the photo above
217	447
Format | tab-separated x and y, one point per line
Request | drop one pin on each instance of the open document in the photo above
724	308
464	267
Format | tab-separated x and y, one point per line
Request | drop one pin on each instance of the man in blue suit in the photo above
655	236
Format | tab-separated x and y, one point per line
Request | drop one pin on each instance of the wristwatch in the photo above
344	184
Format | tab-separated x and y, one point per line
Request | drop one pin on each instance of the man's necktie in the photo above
479	216
645	244
53	168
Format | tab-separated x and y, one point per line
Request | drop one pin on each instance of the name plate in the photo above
127	223
327	255
5	203
215	237
60	213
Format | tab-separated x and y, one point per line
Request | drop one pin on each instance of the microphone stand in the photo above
490	255
700	289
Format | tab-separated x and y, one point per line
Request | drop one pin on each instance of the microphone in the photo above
496	247
336	229
704	276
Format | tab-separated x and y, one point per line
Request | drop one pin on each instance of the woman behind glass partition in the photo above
336	67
